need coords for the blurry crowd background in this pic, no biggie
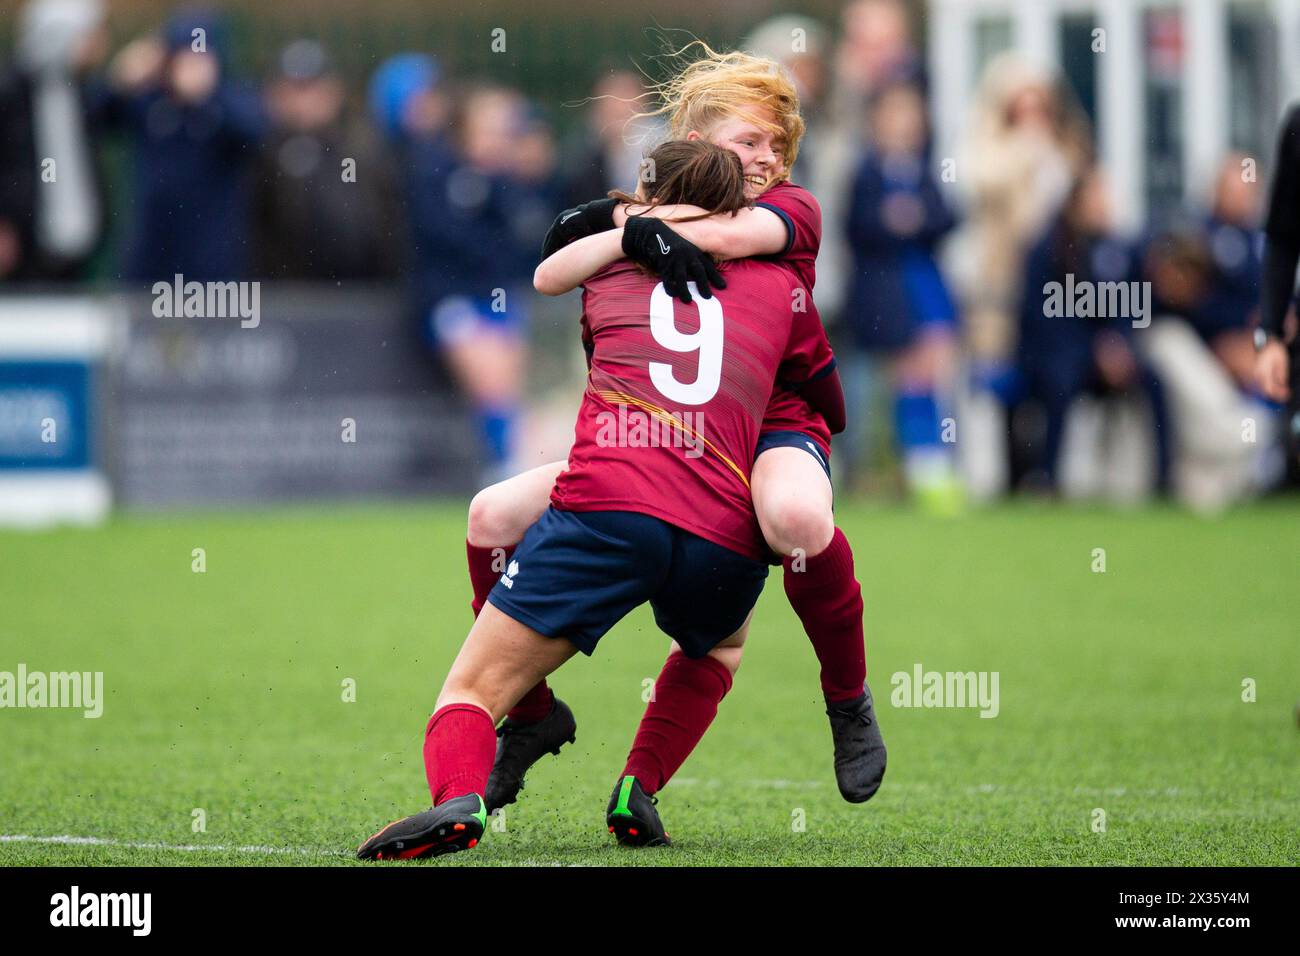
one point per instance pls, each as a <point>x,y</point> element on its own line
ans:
<point>175,155</point>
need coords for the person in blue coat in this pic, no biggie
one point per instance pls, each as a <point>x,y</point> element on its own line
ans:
<point>1068,347</point>
<point>1235,239</point>
<point>899,308</point>
<point>195,133</point>
<point>474,230</point>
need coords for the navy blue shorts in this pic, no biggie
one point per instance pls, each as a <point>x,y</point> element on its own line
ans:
<point>578,573</point>
<point>791,439</point>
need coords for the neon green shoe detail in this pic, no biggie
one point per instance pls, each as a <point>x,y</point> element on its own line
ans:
<point>624,792</point>
<point>481,813</point>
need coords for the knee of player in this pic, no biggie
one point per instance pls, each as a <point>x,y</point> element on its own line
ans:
<point>794,524</point>
<point>489,523</point>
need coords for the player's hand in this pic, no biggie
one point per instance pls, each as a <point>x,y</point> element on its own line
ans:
<point>673,258</point>
<point>1272,368</point>
<point>578,223</point>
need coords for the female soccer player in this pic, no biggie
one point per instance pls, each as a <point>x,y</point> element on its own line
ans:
<point>748,105</point>
<point>629,521</point>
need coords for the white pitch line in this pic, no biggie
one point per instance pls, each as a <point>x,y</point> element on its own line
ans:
<point>761,784</point>
<point>67,840</point>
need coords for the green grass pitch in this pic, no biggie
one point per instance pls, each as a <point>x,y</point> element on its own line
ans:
<point>1120,691</point>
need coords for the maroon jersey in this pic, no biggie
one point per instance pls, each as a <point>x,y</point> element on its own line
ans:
<point>810,352</point>
<point>675,399</point>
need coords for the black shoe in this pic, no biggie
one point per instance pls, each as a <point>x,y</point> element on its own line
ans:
<point>632,816</point>
<point>455,825</point>
<point>859,748</point>
<point>519,746</point>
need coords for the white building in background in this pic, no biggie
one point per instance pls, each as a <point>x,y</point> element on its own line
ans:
<point>1177,83</point>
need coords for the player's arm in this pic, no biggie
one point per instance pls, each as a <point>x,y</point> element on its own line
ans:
<point>824,394</point>
<point>677,261</point>
<point>747,232</point>
<point>808,369</point>
<point>572,265</point>
<point>671,252</point>
<point>578,223</point>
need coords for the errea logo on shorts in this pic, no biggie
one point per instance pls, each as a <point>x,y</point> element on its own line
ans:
<point>508,579</point>
<point>134,910</point>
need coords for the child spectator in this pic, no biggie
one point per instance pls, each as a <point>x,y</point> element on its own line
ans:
<point>898,305</point>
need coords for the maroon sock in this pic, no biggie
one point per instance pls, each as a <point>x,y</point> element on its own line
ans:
<point>486,565</point>
<point>828,600</point>
<point>460,744</point>
<point>533,706</point>
<point>686,698</point>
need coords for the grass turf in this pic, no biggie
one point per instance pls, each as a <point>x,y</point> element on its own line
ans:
<point>1119,691</point>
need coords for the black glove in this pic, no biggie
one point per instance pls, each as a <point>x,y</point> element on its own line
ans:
<point>673,258</point>
<point>575,223</point>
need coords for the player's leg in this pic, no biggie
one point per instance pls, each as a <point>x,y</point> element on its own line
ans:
<point>500,659</point>
<point>540,723</point>
<point>498,517</point>
<point>498,662</point>
<point>574,576</point>
<point>682,707</point>
<point>792,499</point>
<point>705,606</point>
<point>683,703</point>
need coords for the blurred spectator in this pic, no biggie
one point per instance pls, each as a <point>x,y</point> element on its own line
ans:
<point>1070,353</point>
<point>606,153</point>
<point>876,45</point>
<point>899,305</point>
<point>195,132</point>
<point>324,201</point>
<point>1235,245</point>
<point>800,45</point>
<point>406,99</point>
<point>540,195</point>
<point>830,149</point>
<point>51,199</point>
<point>1027,143</point>
<point>473,256</point>
<point>1205,289</point>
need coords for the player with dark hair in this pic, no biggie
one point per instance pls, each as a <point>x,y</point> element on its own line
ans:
<point>748,105</point>
<point>668,521</point>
